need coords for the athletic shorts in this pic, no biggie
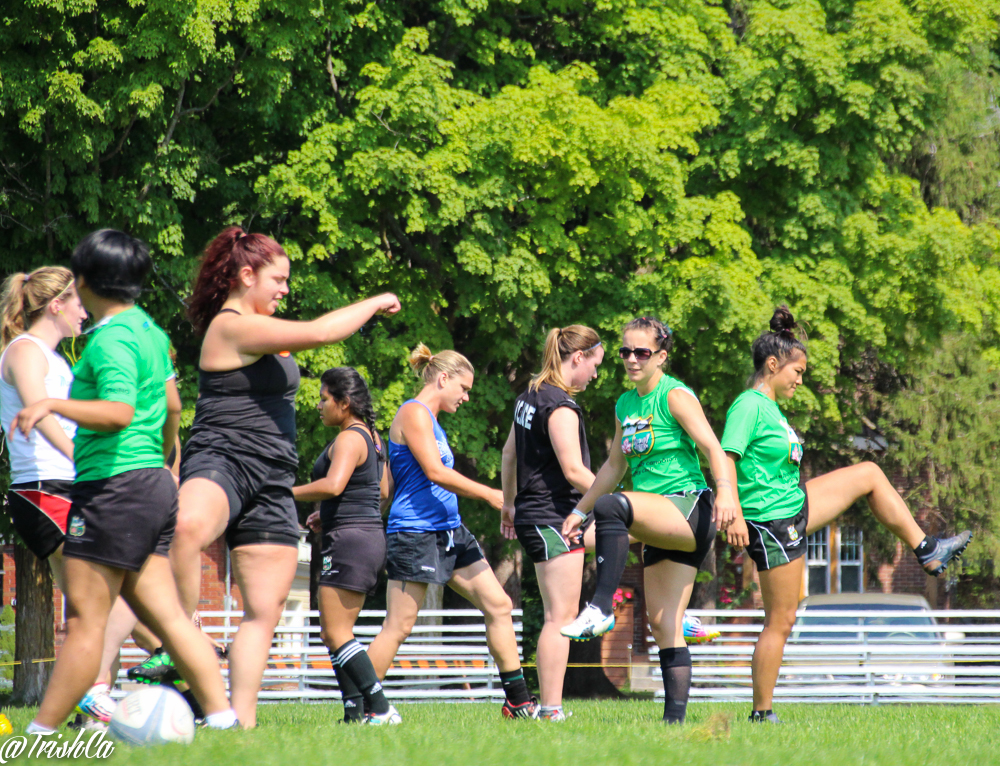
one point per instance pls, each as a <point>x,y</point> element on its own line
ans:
<point>261,506</point>
<point>431,557</point>
<point>697,506</point>
<point>123,520</point>
<point>39,510</point>
<point>773,543</point>
<point>544,542</point>
<point>353,557</point>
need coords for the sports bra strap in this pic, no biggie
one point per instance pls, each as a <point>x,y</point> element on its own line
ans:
<point>231,311</point>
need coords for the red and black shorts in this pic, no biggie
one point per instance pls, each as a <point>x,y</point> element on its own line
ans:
<point>39,510</point>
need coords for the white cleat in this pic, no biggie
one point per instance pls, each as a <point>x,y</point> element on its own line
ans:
<point>591,623</point>
<point>390,718</point>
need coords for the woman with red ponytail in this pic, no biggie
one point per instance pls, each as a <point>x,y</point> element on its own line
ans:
<point>238,466</point>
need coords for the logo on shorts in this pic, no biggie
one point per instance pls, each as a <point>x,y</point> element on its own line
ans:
<point>327,563</point>
<point>428,569</point>
<point>793,533</point>
<point>77,527</point>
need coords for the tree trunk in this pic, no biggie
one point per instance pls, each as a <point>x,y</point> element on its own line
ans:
<point>34,632</point>
<point>587,682</point>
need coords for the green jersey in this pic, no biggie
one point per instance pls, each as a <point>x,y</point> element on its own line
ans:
<point>661,455</point>
<point>770,452</point>
<point>127,359</point>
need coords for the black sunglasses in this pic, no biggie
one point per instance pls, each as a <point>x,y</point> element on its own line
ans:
<point>641,354</point>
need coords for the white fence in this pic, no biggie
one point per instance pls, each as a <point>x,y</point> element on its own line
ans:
<point>879,660</point>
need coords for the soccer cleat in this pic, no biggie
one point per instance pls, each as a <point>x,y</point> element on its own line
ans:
<point>389,718</point>
<point>529,709</point>
<point>696,633</point>
<point>764,716</point>
<point>157,669</point>
<point>97,704</point>
<point>86,723</point>
<point>591,623</point>
<point>947,549</point>
<point>555,715</point>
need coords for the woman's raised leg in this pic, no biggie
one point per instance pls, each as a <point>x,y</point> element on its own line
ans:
<point>202,516</point>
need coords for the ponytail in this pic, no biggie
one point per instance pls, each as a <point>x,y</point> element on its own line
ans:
<point>560,344</point>
<point>25,297</point>
<point>429,365</point>
<point>346,384</point>
<point>220,268</point>
<point>781,342</point>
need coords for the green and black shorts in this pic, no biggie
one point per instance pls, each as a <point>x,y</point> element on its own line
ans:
<point>777,542</point>
<point>543,541</point>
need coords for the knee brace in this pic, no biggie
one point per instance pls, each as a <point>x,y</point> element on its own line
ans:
<point>613,512</point>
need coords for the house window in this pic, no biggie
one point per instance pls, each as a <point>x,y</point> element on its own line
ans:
<point>851,561</point>
<point>818,561</point>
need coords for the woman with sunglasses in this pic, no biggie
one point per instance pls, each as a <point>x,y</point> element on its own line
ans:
<point>671,509</point>
<point>545,471</point>
<point>765,452</point>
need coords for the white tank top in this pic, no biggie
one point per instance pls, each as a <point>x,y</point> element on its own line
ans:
<point>34,458</point>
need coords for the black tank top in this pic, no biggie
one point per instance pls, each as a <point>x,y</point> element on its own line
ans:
<point>358,504</point>
<point>250,409</point>
<point>544,496</point>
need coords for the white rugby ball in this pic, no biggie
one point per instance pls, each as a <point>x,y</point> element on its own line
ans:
<point>153,715</point>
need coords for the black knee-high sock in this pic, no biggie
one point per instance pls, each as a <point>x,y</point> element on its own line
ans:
<point>514,687</point>
<point>349,691</point>
<point>189,698</point>
<point>675,662</point>
<point>613,517</point>
<point>353,660</point>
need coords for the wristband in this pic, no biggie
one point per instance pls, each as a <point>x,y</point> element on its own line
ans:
<point>581,514</point>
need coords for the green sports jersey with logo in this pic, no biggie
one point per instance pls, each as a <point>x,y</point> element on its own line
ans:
<point>770,452</point>
<point>127,359</point>
<point>662,457</point>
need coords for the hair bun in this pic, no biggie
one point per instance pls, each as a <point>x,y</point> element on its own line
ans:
<point>420,357</point>
<point>783,321</point>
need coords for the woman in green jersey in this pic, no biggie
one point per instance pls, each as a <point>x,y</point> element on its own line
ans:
<point>671,509</point>
<point>780,513</point>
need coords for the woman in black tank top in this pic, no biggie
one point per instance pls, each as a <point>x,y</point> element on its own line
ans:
<point>545,471</point>
<point>238,467</point>
<point>348,482</point>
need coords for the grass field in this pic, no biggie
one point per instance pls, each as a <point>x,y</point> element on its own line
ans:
<point>619,733</point>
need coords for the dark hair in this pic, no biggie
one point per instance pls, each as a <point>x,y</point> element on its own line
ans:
<point>781,343</point>
<point>220,269</point>
<point>346,383</point>
<point>113,263</point>
<point>663,334</point>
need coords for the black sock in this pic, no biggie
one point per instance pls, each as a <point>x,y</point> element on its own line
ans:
<point>189,698</point>
<point>353,660</point>
<point>514,687</point>
<point>613,515</point>
<point>675,662</point>
<point>927,545</point>
<point>755,714</point>
<point>349,692</point>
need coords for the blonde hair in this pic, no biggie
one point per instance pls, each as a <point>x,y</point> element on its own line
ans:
<point>560,344</point>
<point>429,366</point>
<point>25,297</point>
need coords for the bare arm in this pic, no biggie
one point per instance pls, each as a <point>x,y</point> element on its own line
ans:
<point>386,488</point>
<point>508,480</point>
<point>172,425</point>
<point>27,368</point>
<point>687,411</point>
<point>564,433</point>
<point>348,452</point>
<point>418,431</point>
<point>607,479</point>
<point>257,334</point>
<point>736,533</point>
<point>94,415</point>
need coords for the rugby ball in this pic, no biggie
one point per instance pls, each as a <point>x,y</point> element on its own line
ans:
<point>153,715</point>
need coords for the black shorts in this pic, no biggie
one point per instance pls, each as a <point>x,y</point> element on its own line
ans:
<point>773,543</point>
<point>353,557</point>
<point>544,542</point>
<point>430,557</point>
<point>700,519</point>
<point>123,520</point>
<point>39,510</point>
<point>261,506</point>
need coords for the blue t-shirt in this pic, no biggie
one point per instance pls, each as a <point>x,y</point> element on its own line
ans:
<point>418,504</point>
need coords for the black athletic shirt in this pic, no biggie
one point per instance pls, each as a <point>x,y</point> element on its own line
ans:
<point>544,496</point>
<point>250,409</point>
<point>358,504</point>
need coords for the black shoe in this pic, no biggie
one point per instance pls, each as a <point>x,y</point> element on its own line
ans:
<point>936,561</point>
<point>764,716</point>
<point>157,669</point>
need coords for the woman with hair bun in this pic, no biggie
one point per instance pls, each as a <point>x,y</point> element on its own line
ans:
<point>660,427</point>
<point>779,512</point>
<point>427,542</point>
<point>347,482</point>
<point>238,466</point>
<point>546,471</point>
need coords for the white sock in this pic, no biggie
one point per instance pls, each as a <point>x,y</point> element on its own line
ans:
<point>223,720</point>
<point>36,728</point>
